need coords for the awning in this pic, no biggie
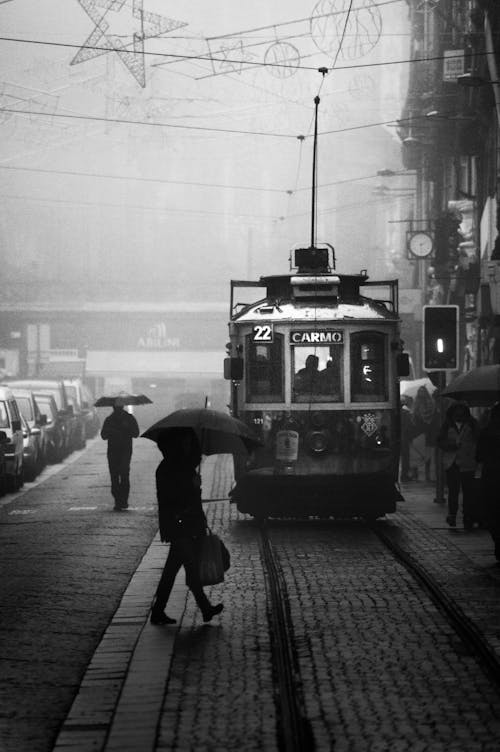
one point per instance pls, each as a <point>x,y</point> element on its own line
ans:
<point>149,363</point>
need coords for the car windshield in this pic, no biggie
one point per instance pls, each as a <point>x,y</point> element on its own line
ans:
<point>24,405</point>
<point>4,418</point>
<point>72,393</point>
<point>56,394</point>
<point>45,405</point>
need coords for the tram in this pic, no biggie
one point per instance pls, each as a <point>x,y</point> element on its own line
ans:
<point>314,366</point>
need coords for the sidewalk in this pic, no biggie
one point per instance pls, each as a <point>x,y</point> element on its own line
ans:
<point>119,705</point>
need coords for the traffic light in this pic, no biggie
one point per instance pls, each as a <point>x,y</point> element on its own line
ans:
<point>441,337</point>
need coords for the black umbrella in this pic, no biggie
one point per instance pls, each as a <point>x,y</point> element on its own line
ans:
<point>122,399</point>
<point>217,432</point>
<point>478,387</point>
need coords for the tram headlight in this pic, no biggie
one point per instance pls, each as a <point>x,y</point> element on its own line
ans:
<point>318,442</point>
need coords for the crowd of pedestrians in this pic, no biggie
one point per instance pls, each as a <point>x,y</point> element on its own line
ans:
<point>465,447</point>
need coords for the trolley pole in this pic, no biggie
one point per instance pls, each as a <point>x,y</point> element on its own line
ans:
<point>315,147</point>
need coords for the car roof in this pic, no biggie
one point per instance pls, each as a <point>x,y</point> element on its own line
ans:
<point>18,392</point>
<point>33,383</point>
<point>6,392</point>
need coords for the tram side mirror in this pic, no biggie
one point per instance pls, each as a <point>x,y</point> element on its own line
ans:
<point>233,369</point>
<point>403,364</point>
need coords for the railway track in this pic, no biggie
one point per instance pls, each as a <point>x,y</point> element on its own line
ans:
<point>467,631</point>
<point>294,728</point>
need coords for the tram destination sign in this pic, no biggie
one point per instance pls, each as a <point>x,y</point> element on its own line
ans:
<point>317,337</point>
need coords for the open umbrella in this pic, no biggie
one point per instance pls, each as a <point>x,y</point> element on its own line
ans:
<point>217,432</point>
<point>122,398</point>
<point>478,387</point>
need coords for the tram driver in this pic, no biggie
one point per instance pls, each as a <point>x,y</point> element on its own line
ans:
<point>307,379</point>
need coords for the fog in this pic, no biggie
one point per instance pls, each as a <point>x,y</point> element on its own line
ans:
<point>167,173</point>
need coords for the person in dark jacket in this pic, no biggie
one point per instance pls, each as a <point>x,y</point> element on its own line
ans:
<point>182,520</point>
<point>457,439</point>
<point>488,453</point>
<point>118,429</point>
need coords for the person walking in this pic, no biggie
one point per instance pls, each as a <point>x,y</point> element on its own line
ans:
<point>182,521</point>
<point>457,438</point>
<point>118,429</point>
<point>488,454</point>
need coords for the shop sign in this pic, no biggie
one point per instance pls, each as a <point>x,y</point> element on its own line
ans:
<point>156,338</point>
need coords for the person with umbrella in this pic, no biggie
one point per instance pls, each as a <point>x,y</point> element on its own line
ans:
<point>182,521</point>
<point>119,428</point>
<point>488,453</point>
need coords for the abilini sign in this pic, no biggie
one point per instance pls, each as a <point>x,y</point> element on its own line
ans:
<point>317,337</point>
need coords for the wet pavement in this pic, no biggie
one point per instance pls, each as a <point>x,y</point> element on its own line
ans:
<point>130,694</point>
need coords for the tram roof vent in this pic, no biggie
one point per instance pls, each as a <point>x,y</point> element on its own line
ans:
<point>315,286</point>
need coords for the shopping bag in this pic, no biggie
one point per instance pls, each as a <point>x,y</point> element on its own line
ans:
<point>211,565</point>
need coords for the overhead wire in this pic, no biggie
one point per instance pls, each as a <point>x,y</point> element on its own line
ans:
<point>238,61</point>
<point>138,207</point>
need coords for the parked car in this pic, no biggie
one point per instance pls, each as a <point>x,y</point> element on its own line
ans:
<point>54,429</point>
<point>56,389</point>
<point>84,402</point>
<point>10,424</point>
<point>3,471</point>
<point>35,460</point>
<point>30,451</point>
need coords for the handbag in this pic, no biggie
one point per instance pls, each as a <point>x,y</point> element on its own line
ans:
<point>211,563</point>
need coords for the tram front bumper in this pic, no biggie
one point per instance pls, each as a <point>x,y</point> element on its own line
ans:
<point>266,493</point>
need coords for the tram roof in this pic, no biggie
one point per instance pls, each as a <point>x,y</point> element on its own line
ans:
<point>267,310</point>
<point>312,297</point>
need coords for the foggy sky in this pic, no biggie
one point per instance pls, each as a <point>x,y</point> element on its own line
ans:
<point>144,219</point>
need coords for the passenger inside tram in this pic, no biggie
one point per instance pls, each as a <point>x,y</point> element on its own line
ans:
<point>320,377</point>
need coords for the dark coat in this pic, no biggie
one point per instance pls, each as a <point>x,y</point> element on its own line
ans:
<point>118,429</point>
<point>179,501</point>
<point>488,453</point>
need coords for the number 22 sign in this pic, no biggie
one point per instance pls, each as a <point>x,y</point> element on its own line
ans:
<point>262,333</point>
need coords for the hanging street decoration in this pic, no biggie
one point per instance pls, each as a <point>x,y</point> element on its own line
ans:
<point>104,37</point>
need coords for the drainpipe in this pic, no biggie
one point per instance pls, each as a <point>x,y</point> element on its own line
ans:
<point>492,63</point>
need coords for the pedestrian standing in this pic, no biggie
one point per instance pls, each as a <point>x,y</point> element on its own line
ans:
<point>426,419</point>
<point>488,454</point>
<point>182,520</point>
<point>118,429</point>
<point>407,434</point>
<point>457,438</point>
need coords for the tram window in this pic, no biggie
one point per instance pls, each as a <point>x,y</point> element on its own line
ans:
<point>368,367</point>
<point>318,374</point>
<point>264,371</point>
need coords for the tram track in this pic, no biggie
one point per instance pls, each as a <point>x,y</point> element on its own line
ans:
<point>463,626</point>
<point>294,729</point>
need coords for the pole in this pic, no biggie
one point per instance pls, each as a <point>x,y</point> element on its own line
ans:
<point>315,146</point>
<point>439,498</point>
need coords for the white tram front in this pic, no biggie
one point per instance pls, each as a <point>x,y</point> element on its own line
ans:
<point>314,367</point>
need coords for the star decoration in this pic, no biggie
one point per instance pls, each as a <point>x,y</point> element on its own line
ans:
<point>230,55</point>
<point>100,40</point>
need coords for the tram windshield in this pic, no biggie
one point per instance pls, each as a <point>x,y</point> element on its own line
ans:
<point>264,375</point>
<point>317,373</point>
<point>368,367</point>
